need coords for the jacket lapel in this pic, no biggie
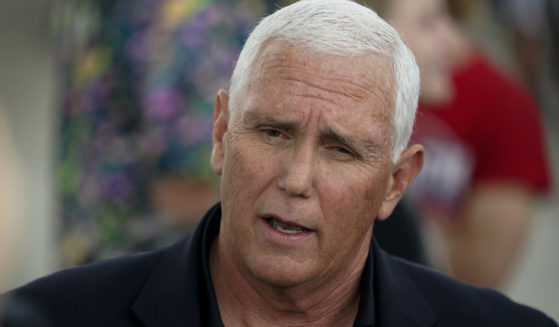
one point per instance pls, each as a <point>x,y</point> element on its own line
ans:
<point>399,301</point>
<point>173,294</point>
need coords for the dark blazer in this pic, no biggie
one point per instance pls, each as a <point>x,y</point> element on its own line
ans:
<point>166,288</point>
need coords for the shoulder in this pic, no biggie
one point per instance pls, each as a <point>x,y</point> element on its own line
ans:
<point>93,294</point>
<point>96,278</point>
<point>466,305</point>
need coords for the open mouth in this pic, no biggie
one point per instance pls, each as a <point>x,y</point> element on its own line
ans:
<point>286,228</point>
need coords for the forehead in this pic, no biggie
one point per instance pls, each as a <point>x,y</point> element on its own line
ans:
<point>286,73</point>
<point>318,93</point>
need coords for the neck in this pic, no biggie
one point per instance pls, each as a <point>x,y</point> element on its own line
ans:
<point>245,301</point>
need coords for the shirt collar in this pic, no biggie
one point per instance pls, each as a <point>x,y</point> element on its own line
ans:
<point>209,234</point>
<point>365,315</point>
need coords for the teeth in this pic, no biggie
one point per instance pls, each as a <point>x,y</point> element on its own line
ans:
<point>285,228</point>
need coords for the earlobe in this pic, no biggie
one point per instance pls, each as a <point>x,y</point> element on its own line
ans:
<point>220,121</point>
<point>408,167</point>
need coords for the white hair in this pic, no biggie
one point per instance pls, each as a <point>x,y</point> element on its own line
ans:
<point>345,28</point>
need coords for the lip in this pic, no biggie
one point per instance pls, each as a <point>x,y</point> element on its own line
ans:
<point>285,221</point>
<point>281,237</point>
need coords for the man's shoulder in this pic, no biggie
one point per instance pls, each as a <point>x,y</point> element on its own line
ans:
<point>99,291</point>
<point>469,305</point>
<point>97,277</point>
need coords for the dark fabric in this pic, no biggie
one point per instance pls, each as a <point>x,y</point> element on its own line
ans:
<point>399,235</point>
<point>366,316</point>
<point>168,287</point>
<point>210,231</point>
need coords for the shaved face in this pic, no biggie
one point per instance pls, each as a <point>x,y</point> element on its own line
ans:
<point>306,165</point>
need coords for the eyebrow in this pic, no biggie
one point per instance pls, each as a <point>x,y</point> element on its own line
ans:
<point>363,147</point>
<point>255,119</point>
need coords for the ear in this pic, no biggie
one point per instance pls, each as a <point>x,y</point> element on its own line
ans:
<point>221,119</point>
<point>408,167</point>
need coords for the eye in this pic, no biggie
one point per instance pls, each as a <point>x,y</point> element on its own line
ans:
<point>343,152</point>
<point>271,132</point>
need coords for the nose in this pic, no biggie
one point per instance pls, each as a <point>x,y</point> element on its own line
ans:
<point>298,171</point>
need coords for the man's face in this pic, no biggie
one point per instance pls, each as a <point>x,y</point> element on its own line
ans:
<point>306,167</point>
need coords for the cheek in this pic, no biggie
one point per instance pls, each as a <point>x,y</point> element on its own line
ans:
<point>246,170</point>
<point>375,190</point>
<point>356,198</point>
<point>348,219</point>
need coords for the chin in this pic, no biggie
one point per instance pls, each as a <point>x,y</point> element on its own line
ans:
<point>281,272</point>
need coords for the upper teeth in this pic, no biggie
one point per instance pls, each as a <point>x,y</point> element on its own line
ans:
<point>285,228</point>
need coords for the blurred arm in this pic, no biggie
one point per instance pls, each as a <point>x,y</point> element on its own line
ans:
<point>489,237</point>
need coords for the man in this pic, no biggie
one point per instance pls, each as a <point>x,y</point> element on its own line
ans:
<point>311,149</point>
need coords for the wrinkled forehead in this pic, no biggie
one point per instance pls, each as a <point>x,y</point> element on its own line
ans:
<point>366,78</point>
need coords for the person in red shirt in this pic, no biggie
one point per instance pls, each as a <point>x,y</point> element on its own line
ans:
<point>485,159</point>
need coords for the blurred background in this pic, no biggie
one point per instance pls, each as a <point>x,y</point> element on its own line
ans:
<point>105,124</point>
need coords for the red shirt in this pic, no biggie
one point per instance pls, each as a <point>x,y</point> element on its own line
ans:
<point>490,131</point>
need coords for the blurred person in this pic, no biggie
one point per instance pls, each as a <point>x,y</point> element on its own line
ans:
<point>485,152</point>
<point>426,29</point>
<point>311,144</point>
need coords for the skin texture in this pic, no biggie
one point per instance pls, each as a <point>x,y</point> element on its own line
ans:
<point>308,144</point>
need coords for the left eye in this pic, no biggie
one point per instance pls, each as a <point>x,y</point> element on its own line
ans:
<point>272,132</point>
<point>343,151</point>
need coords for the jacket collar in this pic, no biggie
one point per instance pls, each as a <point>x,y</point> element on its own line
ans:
<point>399,301</point>
<point>175,293</point>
